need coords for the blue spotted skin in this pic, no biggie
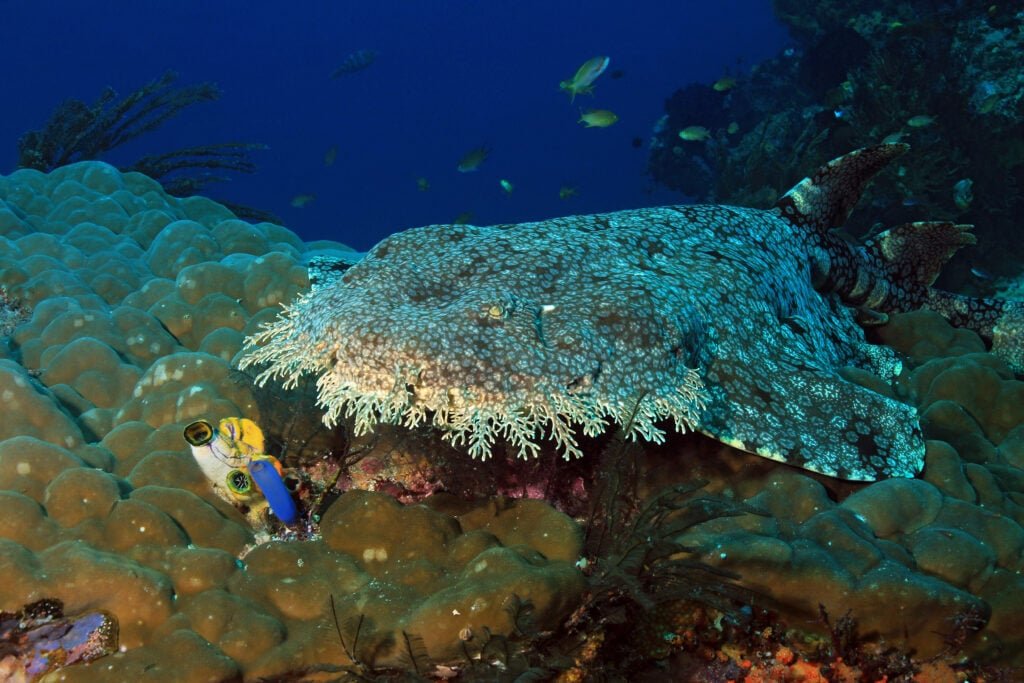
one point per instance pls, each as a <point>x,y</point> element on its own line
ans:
<point>773,346</point>
<point>499,328</point>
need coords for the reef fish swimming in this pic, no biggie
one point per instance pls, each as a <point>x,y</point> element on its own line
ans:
<point>732,321</point>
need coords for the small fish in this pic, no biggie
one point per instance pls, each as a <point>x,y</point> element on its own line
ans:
<point>472,159</point>
<point>583,81</point>
<point>506,186</point>
<point>597,118</point>
<point>637,143</point>
<point>566,192</point>
<point>920,121</point>
<point>694,134</point>
<point>724,83</point>
<point>300,200</point>
<point>357,61</point>
<point>422,184</point>
<point>893,138</point>
<point>463,218</point>
<point>330,155</point>
<point>617,74</point>
<point>981,273</point>
<point>989,103</point>
<point>963,193</point>
<point>733,128</point>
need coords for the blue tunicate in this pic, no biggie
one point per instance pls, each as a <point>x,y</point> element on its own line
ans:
<point>269,480</point>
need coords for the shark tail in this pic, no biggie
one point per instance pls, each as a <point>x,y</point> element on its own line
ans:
<point>825,199</point>
<point>914,253</point>
<point>998,321</point>
<point>894,270</point>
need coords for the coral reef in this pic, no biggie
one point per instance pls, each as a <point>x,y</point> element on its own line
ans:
<point>943,78</point>
<point>133,307</point>
<point>908,558</point>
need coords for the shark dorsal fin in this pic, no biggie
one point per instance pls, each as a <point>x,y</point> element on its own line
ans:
<point>825,199</point>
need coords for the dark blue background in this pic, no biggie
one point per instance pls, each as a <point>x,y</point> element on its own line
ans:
<point>450,76</point>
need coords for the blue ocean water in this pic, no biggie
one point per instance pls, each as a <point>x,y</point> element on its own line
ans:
<point>448,77</point>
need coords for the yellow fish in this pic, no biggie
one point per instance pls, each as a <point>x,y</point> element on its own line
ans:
<point>463,218</point>
<point>583,81</point>
<point>507,186</point>
<point>300,200</point>
<point>724,83</point>
<point>597,118</point>
<point>733,128</point>
<point>472,159</point>
<point>422,184</point>
<point>330,156</point>
<point>565,192</point>
<point>694,134</point>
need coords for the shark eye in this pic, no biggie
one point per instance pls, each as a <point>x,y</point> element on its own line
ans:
<point>239,482</point>
<point>199,433</point>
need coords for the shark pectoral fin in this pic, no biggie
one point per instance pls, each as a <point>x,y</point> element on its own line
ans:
<point>869,317</point>
<point>816,420</point>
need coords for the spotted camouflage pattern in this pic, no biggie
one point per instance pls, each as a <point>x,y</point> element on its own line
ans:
<point>734,321</point>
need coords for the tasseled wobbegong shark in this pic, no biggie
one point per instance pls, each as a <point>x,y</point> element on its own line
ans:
<point>735,322</point>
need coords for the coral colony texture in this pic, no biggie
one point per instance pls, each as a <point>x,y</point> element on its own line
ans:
<point>138,302</point>
<point>125,315</point>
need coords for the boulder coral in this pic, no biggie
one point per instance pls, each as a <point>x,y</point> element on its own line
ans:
<point>909,558</point>
<point>132,306</point>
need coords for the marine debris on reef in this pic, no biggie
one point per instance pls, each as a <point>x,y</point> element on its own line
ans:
<point>40,639</point>
<point>77,131</point>
<point>731,321</point>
